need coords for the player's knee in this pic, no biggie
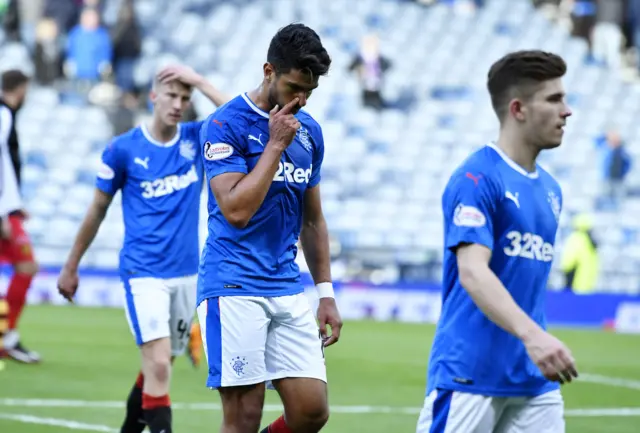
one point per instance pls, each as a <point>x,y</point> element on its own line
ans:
<point>310,416</point>
<point>315,419</point>
<point>249,419</point>
<point>159,367</point>
<point>242,408</point>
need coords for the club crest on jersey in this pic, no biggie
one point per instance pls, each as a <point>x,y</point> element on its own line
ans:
<point>554,201</point>
<point>303,136</point>
<point>188,150</point>
<point>238,364</point>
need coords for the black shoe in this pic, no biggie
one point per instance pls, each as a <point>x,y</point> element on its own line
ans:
<point>22,354</point>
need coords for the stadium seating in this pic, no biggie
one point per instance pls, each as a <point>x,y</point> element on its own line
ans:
<point>383,172</point>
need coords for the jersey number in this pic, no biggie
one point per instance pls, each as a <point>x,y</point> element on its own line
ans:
<point>157,188</point>
<point>528,246</point>
<point>182,329</point>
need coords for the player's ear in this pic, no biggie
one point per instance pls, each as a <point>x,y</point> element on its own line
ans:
<point>153,96</point>
<point>269,72</point>
<point>517,109</point>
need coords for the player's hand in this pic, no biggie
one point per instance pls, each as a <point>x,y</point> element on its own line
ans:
<point>551,356</point>
<point>5,228</point>
<point>283,125</point>
<point>182,73</point>
<point>68,283</point>
<point>328,315</point>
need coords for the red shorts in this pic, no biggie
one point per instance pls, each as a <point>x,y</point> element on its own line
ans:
<point>18,248</point>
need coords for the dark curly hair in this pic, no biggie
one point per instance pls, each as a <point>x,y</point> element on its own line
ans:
<point>518,74</point>
<point>297,46</point>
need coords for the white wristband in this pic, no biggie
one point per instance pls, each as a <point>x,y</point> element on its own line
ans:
<point>325,290</point>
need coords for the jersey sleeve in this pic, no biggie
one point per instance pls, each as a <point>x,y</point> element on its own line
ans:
<point>318,157</point>
<point>222,150</point>
<point>469,205</point>
<point>112,172</point>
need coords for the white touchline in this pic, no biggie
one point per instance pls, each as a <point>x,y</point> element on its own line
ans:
<point>55,422</point>
<point>41,403</point>
<point>611,381</point>
<point>73,425</point>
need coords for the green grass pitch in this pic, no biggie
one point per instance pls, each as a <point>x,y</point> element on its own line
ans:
<point>376,378</point>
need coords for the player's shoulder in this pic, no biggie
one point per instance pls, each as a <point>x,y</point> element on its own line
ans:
<point>235,117</point>
<point>549,181</point>
<point>306,119</point>
<point>480,164</point>
<point>545,176</point>
<point>309,127</point>
<point>124,141</point>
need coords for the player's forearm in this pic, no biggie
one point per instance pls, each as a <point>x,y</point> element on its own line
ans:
<point>212,93</point>
<point>493,299</point>
<point>314,238</point>
<point>85,236</point>
<point>245,198</point>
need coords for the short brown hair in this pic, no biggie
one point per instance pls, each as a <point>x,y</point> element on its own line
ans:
<point>519,73</point>
<point>12,79</point>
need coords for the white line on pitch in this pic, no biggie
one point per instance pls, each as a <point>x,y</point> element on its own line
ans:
<point>611,381</point>
<point>56,422</point>
<point>41,403</point>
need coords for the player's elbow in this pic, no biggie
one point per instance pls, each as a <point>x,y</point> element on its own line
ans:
<point>470,275</point>
<point>237,214</point>
<point>473,266</point>
<point>237,219</point>
<point>309,225</point>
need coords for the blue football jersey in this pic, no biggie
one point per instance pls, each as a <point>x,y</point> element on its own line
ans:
<point>161,185</point>
<point>259,259</point>
<point>492,201</point>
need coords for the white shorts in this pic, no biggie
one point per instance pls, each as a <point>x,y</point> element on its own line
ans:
<point>249,340</point>
<point>160,308</point>
<point>452,411</point>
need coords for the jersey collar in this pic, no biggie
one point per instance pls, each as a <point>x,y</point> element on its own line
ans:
<point>511,163</point>
<point>152,140</point>
<point>254,107</point>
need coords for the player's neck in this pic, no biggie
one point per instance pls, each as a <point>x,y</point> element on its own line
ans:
<point>260,97</point>
<point>162,132</point>
<point>519,151</point>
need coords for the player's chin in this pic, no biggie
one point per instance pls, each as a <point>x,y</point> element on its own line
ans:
<point>172,119</point>
<point>552,144</point>
<point>553,141</point>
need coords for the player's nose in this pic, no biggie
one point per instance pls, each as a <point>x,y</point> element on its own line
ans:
<point>302,99</point>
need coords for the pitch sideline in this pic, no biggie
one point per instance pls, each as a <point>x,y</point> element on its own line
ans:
<point>79,426</point>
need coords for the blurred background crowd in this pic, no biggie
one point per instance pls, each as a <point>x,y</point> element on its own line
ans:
<point>404,103</point>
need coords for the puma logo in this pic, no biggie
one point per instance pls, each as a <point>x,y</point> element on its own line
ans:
<point>475,179</point>
<point>142,162</point>
<point>513,198</point>
<point>253,137</point>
